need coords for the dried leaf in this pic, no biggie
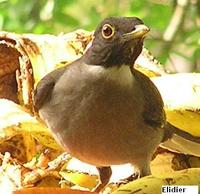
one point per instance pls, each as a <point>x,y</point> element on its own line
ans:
<point>14,120</point>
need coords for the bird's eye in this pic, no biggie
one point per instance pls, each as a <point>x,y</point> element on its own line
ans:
<point>107,31</point>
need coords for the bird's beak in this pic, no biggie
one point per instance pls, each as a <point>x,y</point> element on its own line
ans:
<point>139,32</point>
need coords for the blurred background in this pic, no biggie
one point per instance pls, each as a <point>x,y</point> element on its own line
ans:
<point>175,24</point>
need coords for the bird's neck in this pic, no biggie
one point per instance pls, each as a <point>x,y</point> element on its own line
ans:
<point>121,76</point>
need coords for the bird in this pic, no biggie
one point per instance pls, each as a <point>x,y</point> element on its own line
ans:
<point>101,109</point>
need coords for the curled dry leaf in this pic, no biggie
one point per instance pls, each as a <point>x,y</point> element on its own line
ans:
<point>149,65</point>
<point>9,63</point>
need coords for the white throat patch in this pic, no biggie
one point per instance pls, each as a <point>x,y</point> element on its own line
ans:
<point>122,75</point>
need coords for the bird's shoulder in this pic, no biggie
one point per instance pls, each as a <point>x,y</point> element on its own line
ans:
<point>153,114</point>
<point>44,88</point>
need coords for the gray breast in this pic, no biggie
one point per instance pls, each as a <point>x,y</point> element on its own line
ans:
<point>96,118</point>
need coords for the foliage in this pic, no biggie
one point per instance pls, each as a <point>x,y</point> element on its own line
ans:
<point>55,16</point>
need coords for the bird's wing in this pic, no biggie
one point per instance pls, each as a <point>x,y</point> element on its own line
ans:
<point>154,114</point>
<point>45,87</point>
<point>174,139</point>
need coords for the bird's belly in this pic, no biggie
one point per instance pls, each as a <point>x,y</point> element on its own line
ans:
<point>107,138</point>
<point>106,149</point>
<point>111,146</point>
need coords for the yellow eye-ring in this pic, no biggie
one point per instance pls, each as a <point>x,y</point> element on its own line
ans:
<point>107,31</point>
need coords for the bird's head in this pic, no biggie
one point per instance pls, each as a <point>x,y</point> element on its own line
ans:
<point>117,41</point>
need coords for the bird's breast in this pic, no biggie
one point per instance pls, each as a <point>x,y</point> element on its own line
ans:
<point>97,118</point>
